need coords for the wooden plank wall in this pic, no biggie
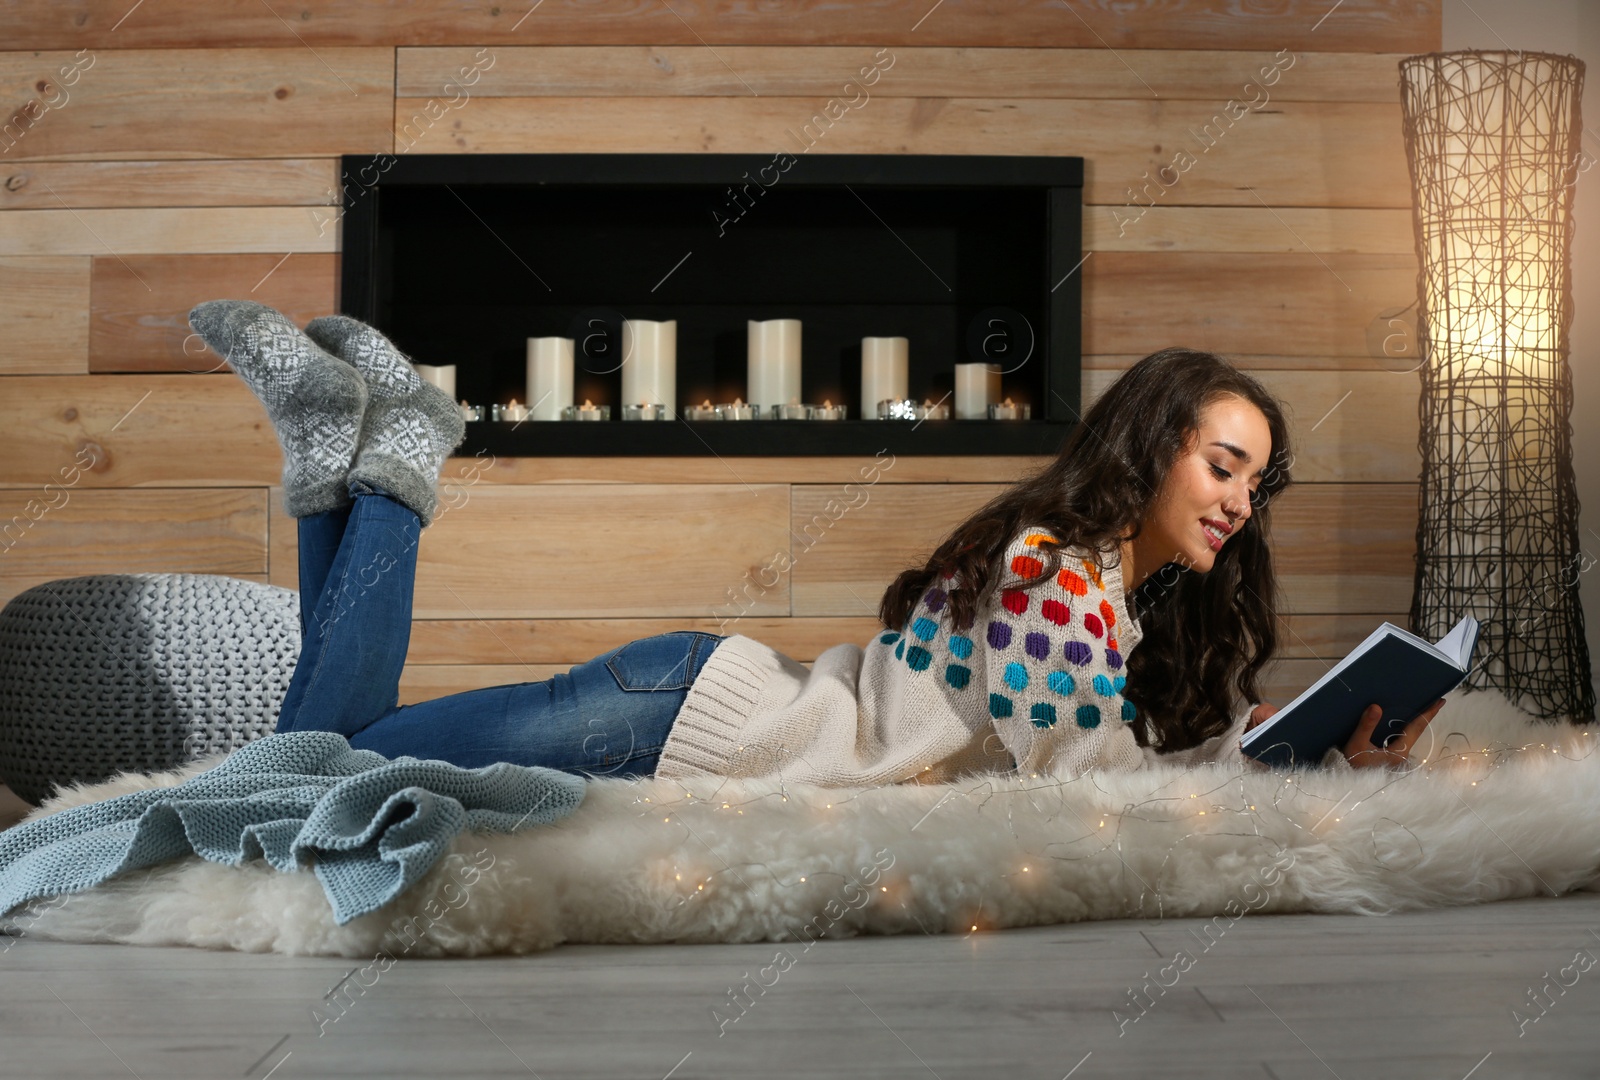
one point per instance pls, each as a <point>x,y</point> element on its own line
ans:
<point>186,150</point>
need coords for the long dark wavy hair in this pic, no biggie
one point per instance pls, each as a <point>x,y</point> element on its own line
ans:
<point>1205,634</point>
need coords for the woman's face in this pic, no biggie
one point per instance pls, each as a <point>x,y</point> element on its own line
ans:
<point>1206,498</point>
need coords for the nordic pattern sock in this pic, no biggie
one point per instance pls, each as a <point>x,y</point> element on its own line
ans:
<point>410,425</point>
<point>315,402</point>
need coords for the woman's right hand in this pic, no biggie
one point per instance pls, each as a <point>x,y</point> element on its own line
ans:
<point>1362,754</point>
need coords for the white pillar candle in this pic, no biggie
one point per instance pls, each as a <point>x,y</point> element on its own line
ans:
<point>977,387</point>
<point>883,371</point>
<point>773,369</point>
<point>549,377</point>
<point>650,363</point>
<point>444,377</point>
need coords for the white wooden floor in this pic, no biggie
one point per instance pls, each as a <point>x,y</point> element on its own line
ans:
<point>1277,996</point>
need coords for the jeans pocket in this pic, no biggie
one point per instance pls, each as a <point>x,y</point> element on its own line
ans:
<point>662,662</point>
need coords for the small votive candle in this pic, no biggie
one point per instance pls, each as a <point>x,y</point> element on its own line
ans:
<point>1007,410</point>
<point>587,411</point>
<point>739,410</point>
<point>897,409</point>
<point>703,411</point>
<point>471,412</point>
<point>644,410</point>
<point>929,411</point>
<point>792,411</point>
<point>442,376</point>
<point>827,411</point>
<point>514,411</point>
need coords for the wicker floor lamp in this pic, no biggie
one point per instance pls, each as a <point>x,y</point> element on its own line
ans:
<point>1493,141</point>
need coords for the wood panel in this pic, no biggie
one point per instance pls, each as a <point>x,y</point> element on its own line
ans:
<point>184,430</point>
<point>209,429</point>
<point>843,562</point>
<point>1343,425</point>
<point>139,315</point>
<point>64,532</point>
<point>1177,24</point>
<point>904,469</point>
<point>283,543</point>
<point>168,231</point>
<point>51,185</point>
<point>1257,362</point>
<point>1314,154</point>
<point>1244,228</point>
<point>555,551</point>
<point>1345,547</point>
<point>44,315</point>
<point>1200,74</point>
<point>1279,305</point>
<point>1338,548</point>
<point>122,101</point>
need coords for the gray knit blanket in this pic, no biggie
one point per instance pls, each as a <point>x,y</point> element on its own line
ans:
<point>369,825</point>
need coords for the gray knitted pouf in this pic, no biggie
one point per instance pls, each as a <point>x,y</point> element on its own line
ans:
<point>113,672</point>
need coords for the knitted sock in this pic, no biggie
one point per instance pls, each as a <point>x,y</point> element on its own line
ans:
<point>410,425</point>
<point>315,402</point>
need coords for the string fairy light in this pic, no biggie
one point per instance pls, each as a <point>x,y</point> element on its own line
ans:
<point>1289,804</point>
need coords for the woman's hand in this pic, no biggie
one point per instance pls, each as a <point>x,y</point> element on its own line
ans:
<point>1261,714</point>
<point>1362,754</point>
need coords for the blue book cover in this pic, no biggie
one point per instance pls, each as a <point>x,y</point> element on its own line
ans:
<point>1401,672</point>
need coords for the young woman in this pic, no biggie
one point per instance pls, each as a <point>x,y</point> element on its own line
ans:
<point>1012,648</point>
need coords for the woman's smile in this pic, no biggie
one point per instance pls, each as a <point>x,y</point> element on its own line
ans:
<point>1216,532</point>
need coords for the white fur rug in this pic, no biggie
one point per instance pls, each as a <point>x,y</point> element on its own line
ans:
<point>1507,806</point>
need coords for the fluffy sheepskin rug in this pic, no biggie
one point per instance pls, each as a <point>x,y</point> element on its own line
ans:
<point>1506,806</point>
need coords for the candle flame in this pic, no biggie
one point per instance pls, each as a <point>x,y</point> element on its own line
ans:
<point>826,403</point>
<point>587,404</point>
<point>706,404</point>
<point>736,400</point>
<point>513,404</point>
<point>1007,401</point>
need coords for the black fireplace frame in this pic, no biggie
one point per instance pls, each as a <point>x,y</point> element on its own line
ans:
<point>374,248</point>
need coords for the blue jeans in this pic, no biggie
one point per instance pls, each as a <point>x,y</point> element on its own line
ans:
<point>606,717</point>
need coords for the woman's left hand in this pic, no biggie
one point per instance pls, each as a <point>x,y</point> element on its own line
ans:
<point>1360,751</point>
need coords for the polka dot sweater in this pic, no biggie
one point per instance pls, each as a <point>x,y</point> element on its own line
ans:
<point>1034,684</point>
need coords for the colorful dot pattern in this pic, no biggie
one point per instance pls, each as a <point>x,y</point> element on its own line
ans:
<point>1047,655</point>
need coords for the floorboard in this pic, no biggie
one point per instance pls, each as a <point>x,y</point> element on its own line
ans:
<point>1281,997</point>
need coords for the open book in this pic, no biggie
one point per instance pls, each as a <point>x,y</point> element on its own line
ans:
<point>1401,672</point>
